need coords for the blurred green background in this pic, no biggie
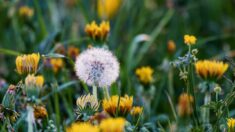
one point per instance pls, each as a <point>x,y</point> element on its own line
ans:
<point>63,21</point>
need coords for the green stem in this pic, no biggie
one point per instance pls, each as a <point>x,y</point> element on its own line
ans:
<point>170,82</point>
<point>57,110</point>
<point>206,116</point>
<point>40,19</point>
<point>190,89</point>
<point>156,32</point>
<point>138,121</point>
<point>106,93</point>
<point>217,96</point>
<point>94,91</point>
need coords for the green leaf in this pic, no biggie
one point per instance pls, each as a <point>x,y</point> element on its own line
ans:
<point>46,44</point>
<point>153,36</point>
<point>9,52</point>
<point>114,89</point>
<point>53,55</point>
<point>59,89</point>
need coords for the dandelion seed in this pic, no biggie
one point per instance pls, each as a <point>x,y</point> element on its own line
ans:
<point>97,67</point>
<point>112,125</point>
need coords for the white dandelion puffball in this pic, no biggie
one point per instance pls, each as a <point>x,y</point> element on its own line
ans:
<point>97,66</point>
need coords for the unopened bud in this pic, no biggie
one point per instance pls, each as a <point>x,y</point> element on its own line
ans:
<point>217,89</point>
<point>194,51</point>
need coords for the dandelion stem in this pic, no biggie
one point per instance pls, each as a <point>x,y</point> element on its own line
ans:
<point>206,116</point>
<point>138,121</point>
<point>94,91</point>
<point>190,89</point>
<point>106,93</point>
<point>217,97</point>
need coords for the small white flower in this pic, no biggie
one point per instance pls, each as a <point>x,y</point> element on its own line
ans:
<point>97,66</point>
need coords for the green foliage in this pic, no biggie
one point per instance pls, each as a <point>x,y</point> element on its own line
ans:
<point>139,33</point>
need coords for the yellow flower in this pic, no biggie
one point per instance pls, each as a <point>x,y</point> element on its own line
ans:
<point>171,46</point>
<point>98,32</point>
<point>184,105</point>
<point>34,81</point>
<point>136,111</point>
<point>73,52</point>
<point>27,63</point>
<point>207,69</point>
<point>145,74</point>
<point>111,105</point>
<point>40,112</point>
<point>90,100</point>
<point>112,125</point>
<point>39,81</point>
<point>231,124</point>
<point>190,39</point>
<point>108,8</point>
<point>57,64</point>
<point>82,127</point>
<point>26,11</point>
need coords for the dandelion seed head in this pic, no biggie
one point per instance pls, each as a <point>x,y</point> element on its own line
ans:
<point>97,66</point>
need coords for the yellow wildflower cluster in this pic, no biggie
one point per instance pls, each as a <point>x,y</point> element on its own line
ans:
<point>34,81</point>
<point>57,64</point>
<point>106,125</point>
<point>112,125</point>
<point>82,127</point>
<point>26,11</point>
<point>40,112</point>
<point>98,32</point>
<point>123,105</point>
<point>108,8</point>
<point>26,64</point>
<point>184,105</point>
<point>136,111</point>
<point>207,69</point>
<point>190,39</point>
<point>145,74</point>
<point>231,124</point>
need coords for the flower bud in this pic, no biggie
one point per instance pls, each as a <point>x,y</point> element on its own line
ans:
<point>217,89</point>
